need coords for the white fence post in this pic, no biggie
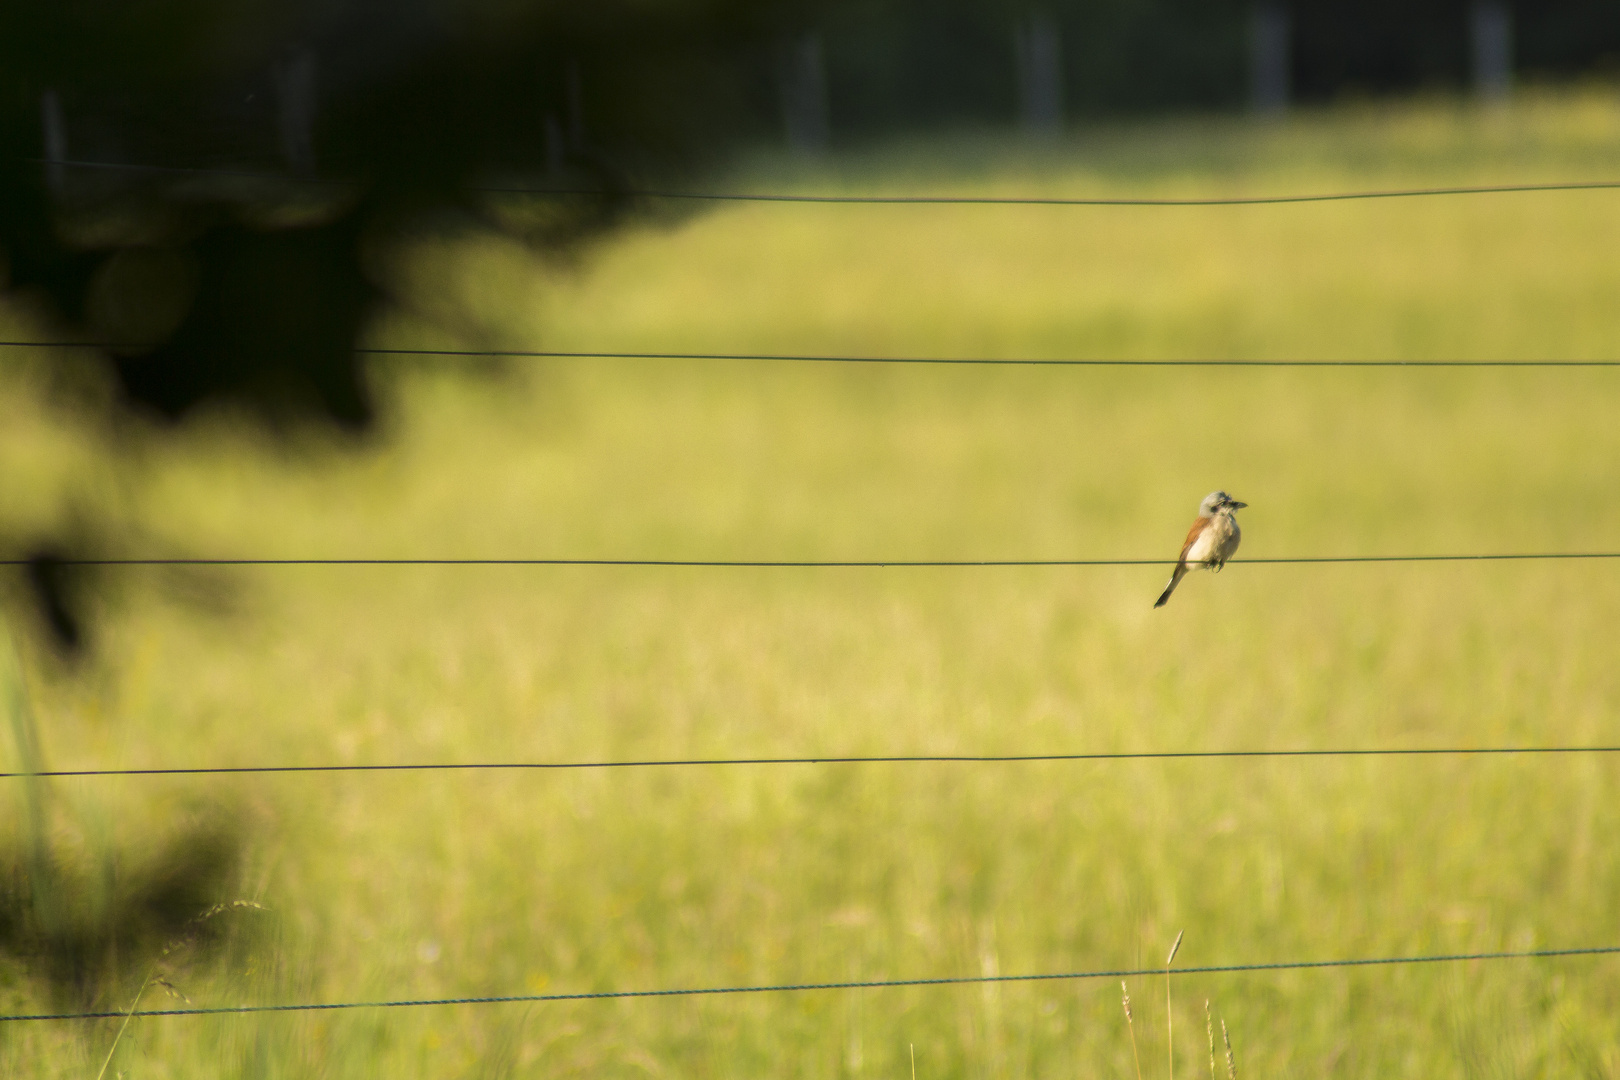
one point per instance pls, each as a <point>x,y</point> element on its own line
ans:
<point>295,101</point>
<point>1491,32</point>
<point>802,81</point>
<point>1270,31</point>
<point>1038,49</point>
<point>50,115</point>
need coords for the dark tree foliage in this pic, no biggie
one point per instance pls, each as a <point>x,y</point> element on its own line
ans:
<point>89,928</point>
<point>321,133</point>
<point>418,102</point>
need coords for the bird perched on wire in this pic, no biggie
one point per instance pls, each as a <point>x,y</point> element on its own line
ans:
<point>1212,540</point>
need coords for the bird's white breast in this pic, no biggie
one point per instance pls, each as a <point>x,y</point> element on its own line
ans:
<point>1217,542</point>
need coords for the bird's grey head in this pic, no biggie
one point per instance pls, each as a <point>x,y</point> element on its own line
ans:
<point>1217,501</point>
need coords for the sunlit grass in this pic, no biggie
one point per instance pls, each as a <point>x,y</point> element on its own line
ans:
<point>398,886</point>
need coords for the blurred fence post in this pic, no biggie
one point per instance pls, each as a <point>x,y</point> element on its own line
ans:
<point>565,135</point>
<point>576,106</point>
<point>1038,49</point>
<point>802,80</point>
<point>1269,57</point>
<point>50,116</point>
<point>556,145</point>
<point>1491,36</point>
<point>295,101</point>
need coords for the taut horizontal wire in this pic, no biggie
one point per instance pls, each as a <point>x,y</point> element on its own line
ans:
<point>1062,200</point>
<point>898,200</point>
<point>824,564</point>
<point>980,361</point>
<point>828,759</point>
<point>985,361</point>
<point>875,984</point>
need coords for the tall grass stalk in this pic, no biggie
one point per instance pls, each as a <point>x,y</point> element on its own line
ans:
<point>129,1015</point>
<point>1131,1024</point>
<point>1209,1028</point>
<point>1169,1018</point>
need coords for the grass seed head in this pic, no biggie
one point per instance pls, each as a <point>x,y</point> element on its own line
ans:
<point>1209,1026</point>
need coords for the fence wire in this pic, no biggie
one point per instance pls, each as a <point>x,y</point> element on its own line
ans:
<point>982,361</point>
<point>873,984</point>
<point>855,359</point>
<point>827,759</point>
<point>812,564</point>
<point>879,199</point>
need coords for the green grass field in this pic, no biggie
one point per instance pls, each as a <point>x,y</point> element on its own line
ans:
<point>386,886</point>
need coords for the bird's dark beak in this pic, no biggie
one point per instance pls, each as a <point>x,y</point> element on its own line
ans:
<point>1234,504</point>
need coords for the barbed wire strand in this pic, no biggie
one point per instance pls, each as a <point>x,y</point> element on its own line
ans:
<point>817,564</point>
<point>823,759</point>
<point>874,984</point>
<point>889,200</point>
<point>829,358</point>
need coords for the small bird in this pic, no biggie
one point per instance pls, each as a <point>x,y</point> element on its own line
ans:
<point>1212,540</point>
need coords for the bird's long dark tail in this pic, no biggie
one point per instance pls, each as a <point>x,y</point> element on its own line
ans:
<point>1175,579</point>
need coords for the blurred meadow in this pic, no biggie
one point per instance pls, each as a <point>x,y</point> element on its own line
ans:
<point>398,885</point>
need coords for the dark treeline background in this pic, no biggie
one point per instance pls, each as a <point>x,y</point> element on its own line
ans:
<point>910,63</point>
<point>182,87</point>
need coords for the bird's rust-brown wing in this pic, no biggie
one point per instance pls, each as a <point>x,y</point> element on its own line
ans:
<point>1192,537</point>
